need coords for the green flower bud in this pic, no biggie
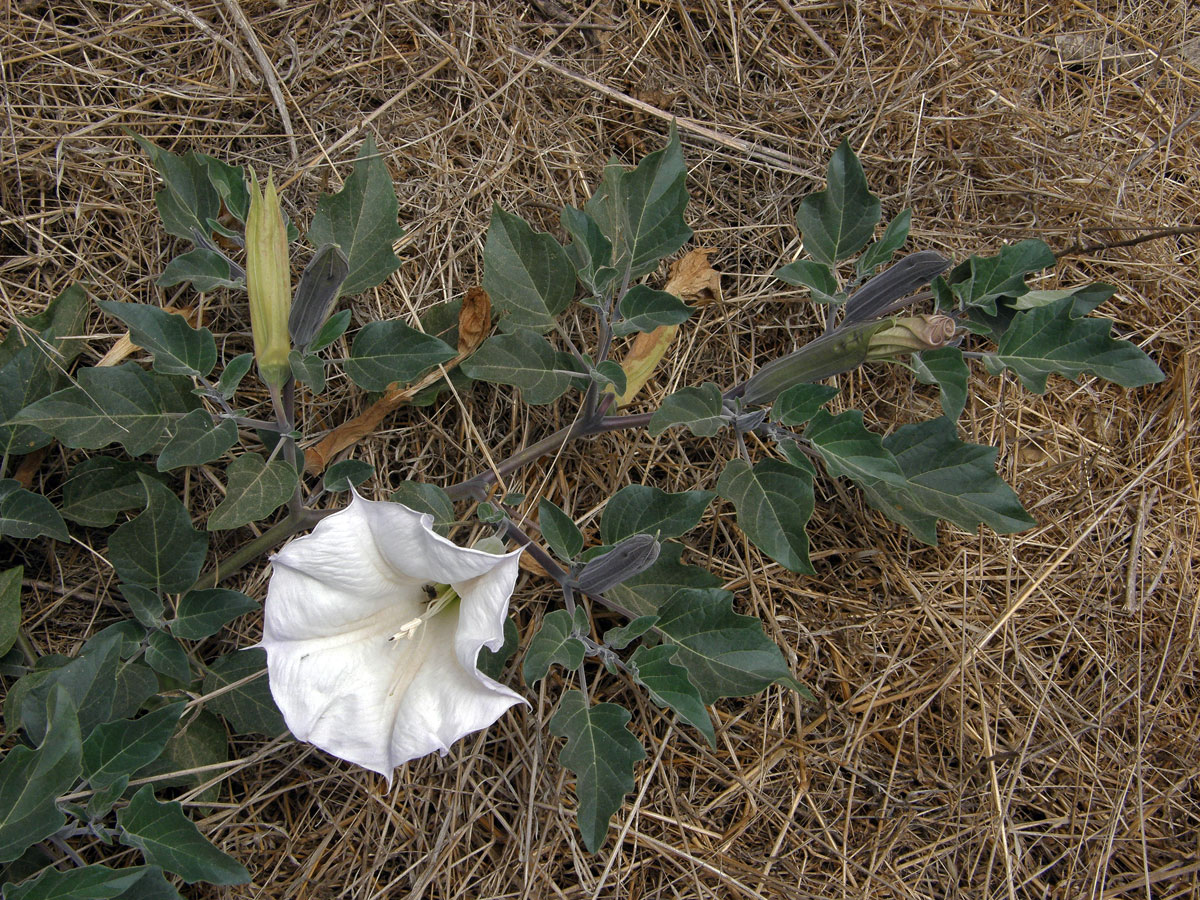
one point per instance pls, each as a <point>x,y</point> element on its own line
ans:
<point>911,334</point>
<point>269,282</point>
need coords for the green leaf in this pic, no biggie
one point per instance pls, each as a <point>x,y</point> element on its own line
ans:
<point>308,369</point>
<point>838,221</point>
<point>644,309</point>
<point>188,200</point>
<point>249,708</point>
<point>800,402</point>
<point>559,530</point>
<point>601,753</point>
<point>117,749</point>
<point>1086,297</point>
<point>94,882</point>
<point>670,687</point>
<point>945,479</point>
<point>147,605</point>
<point>347,473</point>
<point>195,440</point>
<point>948,370</point>
<point>24,514</point>
<point>882,250</point>
<point>24,379</point>
<point>555,644</point>
<point>202,613</point>
<point>333,329</point>
<point>31,780</point>
<point>623,635</point>
<point>159,548</point>
<point>122,404</point>
<point>815,276</point>
<point>235,371</point>
<point>609,372</point>
<point>849,450</point>
<point>725,654</point>
<point>167,838</point>
<point>256,489</point>
<point>10,607</point>
<point>699,409</point>
<point>773,500</point>
<point>492,663</point>
<point>202,741</point>
<point>641,211</point>
<point>387,352</point>
<point>361,219</point>
<point>980,280</point>
<point>60,326</point>
<point>427,498</point>
<point>166,656</point>
<point>590,251</point>
<point>639,508</point>
<point>1049,339</point>
<point>100,487</point>
<point>206,269</point>
<point>648,592</point>
<point>526,273</point>
<point>526,360</point>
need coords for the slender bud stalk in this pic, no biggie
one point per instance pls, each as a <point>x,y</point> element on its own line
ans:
<point>269,282</point>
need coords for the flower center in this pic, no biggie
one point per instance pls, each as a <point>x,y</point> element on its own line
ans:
<point>439,597</point>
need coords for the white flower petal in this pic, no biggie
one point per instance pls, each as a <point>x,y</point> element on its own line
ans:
<point>336,598</point>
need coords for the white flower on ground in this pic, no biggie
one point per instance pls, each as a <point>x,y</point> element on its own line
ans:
<point>363,663</point>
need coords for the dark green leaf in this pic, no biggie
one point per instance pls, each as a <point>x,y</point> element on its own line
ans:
<point>333,329</point>
<point>202,613</point>
<point>849,450</point>
<point>10,607</point>
<point>641,211</point>
<point>526,273</point>
<point>815,276</point>
<point>100,487</point>
<point>249,708</point>
<point>882,250</point>
<point>609,372</point>
<point>347,473</point>
<point>120,748</point>
<point>559,530</point>
<point>136,683</point>
<point>427,498</point>
<point>188,199</point>
<point>308,369</point>
<point>202,741</point>
<point>725,654</point>
<point>838,221</point>
<point>699,409</point>
<point>669,686</point>
<point>489,514</point>
<point>195,440</point>
<point>166,656</point>
<point>639,508</point>
<point>24,379</point>
<point>24,514</point>
<point>235,371</point>
<point>94,882</point>
<point>647,593</point>
<point>590,251</point>
<point>773,500</point>
<point>256,489</point>
<point>316,294</point>
<point>526,360</point>
<point>31,780</point>
<point>493,662</point>
<point>387,352</point>
<point>167,838</point>
<point>556,643</point>
<point>1049,339</point>
<point>601,753</point>
<point>159,548</point>
<point>644,309</point>
<point>205,268</point>
<point>361,219</point>
<point>623,635</point>
<point>948,370</point>
<point>147,605</point>
<point>800,402</point>
<point>122,404</point>
<point>982,279</point>
<point>60,326</point>
<point>946,479</point>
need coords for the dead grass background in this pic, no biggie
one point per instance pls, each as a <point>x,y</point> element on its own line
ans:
<point>998,717</point>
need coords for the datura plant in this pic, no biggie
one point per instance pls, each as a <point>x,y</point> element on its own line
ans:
<point>383,640</point>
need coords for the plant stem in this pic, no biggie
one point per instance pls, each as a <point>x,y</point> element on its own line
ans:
<point>265,542</point>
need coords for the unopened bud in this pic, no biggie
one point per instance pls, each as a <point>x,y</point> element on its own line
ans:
<point>912,334</point>
<point>269,282</point>
<point>630,557</point>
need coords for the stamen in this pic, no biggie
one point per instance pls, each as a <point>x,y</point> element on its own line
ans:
<point>437,602</point>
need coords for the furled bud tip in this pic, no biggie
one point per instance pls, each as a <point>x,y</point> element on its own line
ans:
<point>269,282</point>
<point>911,334</point>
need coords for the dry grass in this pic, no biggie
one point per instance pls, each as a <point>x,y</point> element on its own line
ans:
<point>999,717</point>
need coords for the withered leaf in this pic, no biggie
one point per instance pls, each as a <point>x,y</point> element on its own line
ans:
<point>474,320</point>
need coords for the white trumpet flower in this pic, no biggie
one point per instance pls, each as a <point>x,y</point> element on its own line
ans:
<point>373,623</point>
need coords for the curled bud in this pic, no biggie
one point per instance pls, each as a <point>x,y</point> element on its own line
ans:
<point>911,334</point>
<point>269,282</point>
<point>630,557</point>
